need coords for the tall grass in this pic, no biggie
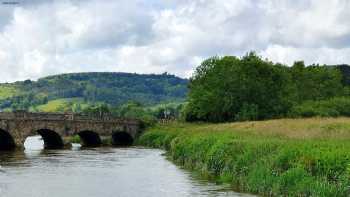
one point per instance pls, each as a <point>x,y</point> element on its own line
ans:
<point>303,157</point>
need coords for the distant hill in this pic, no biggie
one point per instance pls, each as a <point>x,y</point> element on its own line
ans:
<point>94,87</point>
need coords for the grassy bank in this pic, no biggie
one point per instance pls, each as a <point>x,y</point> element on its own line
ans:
<point>289,157</point>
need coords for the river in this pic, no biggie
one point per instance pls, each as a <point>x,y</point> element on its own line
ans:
<point>98,172</point>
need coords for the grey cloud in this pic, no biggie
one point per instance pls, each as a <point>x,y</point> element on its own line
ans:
<point>5,15</point>
<point>40,37</point>
<point>115,23</point>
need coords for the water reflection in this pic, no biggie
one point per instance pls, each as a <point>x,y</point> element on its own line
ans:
<point>34,143</point>
<point>12,158</point>
<point>125,172</point>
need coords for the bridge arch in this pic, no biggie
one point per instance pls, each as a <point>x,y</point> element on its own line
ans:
<point>122,138</point>
<point>52,140</point>
<point>90,138</point>
<point>6,141</point>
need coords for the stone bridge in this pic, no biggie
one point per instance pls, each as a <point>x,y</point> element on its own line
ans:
<point>57,129</point>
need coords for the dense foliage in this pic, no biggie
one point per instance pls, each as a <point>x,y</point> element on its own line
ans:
<point>250,88</point>
<point>333,107</point>
<point>109,88</point>
<point>148,114</point>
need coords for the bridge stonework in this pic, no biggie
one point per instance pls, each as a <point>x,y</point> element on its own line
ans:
<point>54,127</point>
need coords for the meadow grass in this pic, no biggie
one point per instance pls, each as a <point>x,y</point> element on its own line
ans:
<point>286,157</point>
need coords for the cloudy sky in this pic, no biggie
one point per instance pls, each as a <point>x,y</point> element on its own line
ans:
<point>45,37</point>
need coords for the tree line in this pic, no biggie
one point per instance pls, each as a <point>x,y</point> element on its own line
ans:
<point>148,114</point>
<point>221,89</point>
<point>251,88</point>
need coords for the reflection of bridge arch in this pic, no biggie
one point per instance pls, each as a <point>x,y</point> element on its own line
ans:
<point>56,128</point>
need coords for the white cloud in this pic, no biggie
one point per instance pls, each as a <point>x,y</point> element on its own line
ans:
<point>39,38</point>
<point>322,55</point>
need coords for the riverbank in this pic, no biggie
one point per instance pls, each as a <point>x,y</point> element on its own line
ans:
<point>289,157</point>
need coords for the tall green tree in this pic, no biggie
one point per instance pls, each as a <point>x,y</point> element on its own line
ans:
<point>249,88</point>
<point>229,88</point>
<point>316,82</point>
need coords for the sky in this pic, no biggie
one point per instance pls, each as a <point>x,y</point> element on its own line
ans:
<point>46,37</point>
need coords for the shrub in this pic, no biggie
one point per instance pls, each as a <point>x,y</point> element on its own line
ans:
<point>247,112</point>
<point>75,139</point>
<point>338,106</point>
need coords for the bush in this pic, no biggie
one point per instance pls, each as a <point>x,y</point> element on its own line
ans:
<point>75,139</point>
<point>334,107</point>
<point>247,112</point>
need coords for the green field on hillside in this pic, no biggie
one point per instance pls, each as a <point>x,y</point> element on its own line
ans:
<point>60,105</point>
<point>286,157</point>
<point>105,87</point>
<point>7,91</point>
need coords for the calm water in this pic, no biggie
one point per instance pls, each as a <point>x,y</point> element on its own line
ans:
<point>100,172</point>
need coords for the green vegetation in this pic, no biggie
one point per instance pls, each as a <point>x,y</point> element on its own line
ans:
<point>333,107</point>
<point>7,91</point>
<point>148,114</point>
<point>62,105</point>
<point>114,89</point>
<point>286,157</point>
<point>250,88</point>
<point>75,139</point>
